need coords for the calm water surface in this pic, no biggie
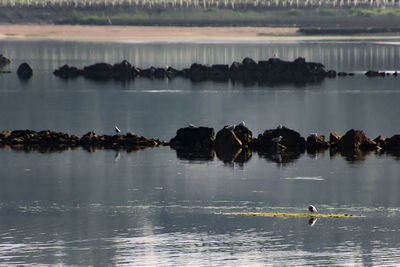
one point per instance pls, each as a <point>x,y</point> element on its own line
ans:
<point>151,207</point>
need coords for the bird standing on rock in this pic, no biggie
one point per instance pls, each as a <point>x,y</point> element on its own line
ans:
<point>312,209</point>
<point>276,139</point>
<point>230,128</point>
<point>117,130</point>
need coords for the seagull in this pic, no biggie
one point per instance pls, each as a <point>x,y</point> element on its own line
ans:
<point>230,128</point>
<point>242,124</point>
<point>117,130</point>
<point>276,139</point>
<point>312,209</point>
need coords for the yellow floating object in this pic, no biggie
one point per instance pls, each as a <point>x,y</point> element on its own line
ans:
<point>279,214</point>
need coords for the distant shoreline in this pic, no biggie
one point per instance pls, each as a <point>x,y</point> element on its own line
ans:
<point>166,34</point>
<point>140,33</point>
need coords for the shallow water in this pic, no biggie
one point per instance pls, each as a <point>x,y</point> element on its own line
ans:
<point>151,207</point>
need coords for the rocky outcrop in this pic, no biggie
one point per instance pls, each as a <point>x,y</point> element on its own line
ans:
<point>272,71</point>
<point>375,73</point>
<point>28,140</point>
<point>4,61</point>
<point>193,137</point>
<point>354,140</point>
<point>226,140</point>
<point>316,143</point>
<point>24,71</point>
<point>287,137</point>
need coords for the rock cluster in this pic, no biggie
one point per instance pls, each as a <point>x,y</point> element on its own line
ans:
<point>375,73</point>
<point>281,144</point>
<point>50,140</point>
<point>271,71</point>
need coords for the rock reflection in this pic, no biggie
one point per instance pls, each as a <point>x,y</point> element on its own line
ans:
<point>199,154</point>
<point>284,157</point>
<point>240,155</point>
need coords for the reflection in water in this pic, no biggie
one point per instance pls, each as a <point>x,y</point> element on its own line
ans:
<point>312,221</point>
<point>195,154</point>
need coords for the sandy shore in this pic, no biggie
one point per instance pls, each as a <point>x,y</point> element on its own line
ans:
<point>139,33</point>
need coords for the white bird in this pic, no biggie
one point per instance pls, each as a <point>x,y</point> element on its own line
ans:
<point>117,130</point>
<point>230,128</point>
<point>276,139</point>
<point>242,124</point>
<point>312,209</point>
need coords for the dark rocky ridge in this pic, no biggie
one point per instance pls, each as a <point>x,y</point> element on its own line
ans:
<point>272,71</point>
<point>57,141</point>
<point>231,144</point>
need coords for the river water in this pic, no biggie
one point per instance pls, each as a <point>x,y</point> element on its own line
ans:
<point>151,207</point>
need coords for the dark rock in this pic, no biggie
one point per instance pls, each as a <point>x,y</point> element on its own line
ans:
<point>290,139</point>
<point>4,61</point>
<point>244,134</point>
<point>316,143</point>
<point>160,73</point>
<point>24,71</point>
<point>334,139</point>
<point>199,72</point>
<point>66,72</point>
<point>227,141</point>
<point>148,73</point>
<point>98,71</point>
<point>393,143</point>
<point>331,74</point>
<point>219,72</point>
<point>372,73</point>
<point>193,137</point>
<point>380,141</point>
<point>122,71</point>
<point>355,139</point>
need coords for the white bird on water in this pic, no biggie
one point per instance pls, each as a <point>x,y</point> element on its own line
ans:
<point>242,124</point>
<point>312,209</point>
<point>276,139</point>
<point>117,130</point>
<point>230,128</point>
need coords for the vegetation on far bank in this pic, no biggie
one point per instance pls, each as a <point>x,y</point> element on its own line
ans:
<point>327,17</point>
